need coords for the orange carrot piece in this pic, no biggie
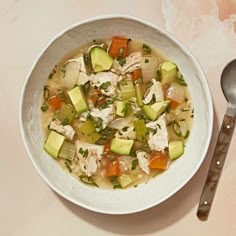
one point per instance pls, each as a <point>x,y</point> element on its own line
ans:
<point>55,103</point>
<point>116,44</point>
<point>136,74</point>
<point>96,98</point>
<point>113,168</point>
<point>159,161</point>
<point>173,104</point>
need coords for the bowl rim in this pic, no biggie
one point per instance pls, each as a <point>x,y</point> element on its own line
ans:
<point>183,48</point>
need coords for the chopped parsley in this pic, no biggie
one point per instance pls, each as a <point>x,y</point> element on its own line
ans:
<point>125,128</point>
<point>68,166</point>
<point>63,70</point>
<point>53,72</point>
<point>44,107</point>
<point>65,121</point>
<point>146,60</point>
<point>181,81</point>
<point>120,58</point>
<point>134,164</point>
<point>146,48</point>
<point>105,85</point>
<point>114,182</point>
<point>83,153</point>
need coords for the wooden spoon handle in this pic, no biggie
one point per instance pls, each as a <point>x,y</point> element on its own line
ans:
<point>216,167</point>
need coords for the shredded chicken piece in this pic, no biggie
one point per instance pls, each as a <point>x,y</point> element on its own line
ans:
<point>66,130</point>
<point>107,114</point>
<point>128,133</point>
<point>158,140</point>
<point>156,91</point>
<point>103,77</point>
<point>143,161</point>
<point>90,162</point>
<point>133,62</point>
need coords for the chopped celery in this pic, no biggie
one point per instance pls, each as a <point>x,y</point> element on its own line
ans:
<point>139,94</point>
<point>123,108</point>
<point>87,180</point>
<point>140,129</point>
<point>67,151</point>
<point>88,130</point>
<point>127,89</point>
<point>66,114</point>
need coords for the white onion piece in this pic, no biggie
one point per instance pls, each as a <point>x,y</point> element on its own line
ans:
<point>71,74</point>
<point>176,92</point>
<point>149,65</point>
<point>183,128</point>
<point>120,123</point>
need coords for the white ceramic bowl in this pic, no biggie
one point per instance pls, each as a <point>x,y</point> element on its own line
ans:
<point>158,189</point>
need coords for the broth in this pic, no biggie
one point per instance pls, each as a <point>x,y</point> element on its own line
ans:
<point>115,113</point>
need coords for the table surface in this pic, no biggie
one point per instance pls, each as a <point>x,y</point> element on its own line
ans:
<point>27,205</point>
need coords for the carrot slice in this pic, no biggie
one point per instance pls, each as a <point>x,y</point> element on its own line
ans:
<point>112,168</point>
<point>55,103</point>
<point>159,160</point>
<point>116,44</point>
<point>136,75</point>
<point>173,104</point>
<point>97,98</point>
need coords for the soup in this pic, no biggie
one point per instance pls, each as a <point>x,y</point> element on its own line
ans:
<point>115,113</point>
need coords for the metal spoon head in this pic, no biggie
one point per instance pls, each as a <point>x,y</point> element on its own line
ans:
<point>228,82</point>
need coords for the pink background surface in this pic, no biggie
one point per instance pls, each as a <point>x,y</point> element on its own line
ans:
<point>27,205</point>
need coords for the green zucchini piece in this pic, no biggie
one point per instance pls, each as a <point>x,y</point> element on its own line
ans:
<point>121,146</point>
<point>53,144</point>
<point>100,59</point>
<point>155,110</point>
<point>168,72</point>
<point>125,180</point>
<point>176,149</point>
<point>78,99</point>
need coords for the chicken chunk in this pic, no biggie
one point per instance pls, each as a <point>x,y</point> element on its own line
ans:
<point>143,161</point>
<point>158,140</point>
<point>128,133</point>
<point>66,130</point>
<point>89,156</point>
<point>132,62</point>
<point>154,91</point>
<point>107,114</point>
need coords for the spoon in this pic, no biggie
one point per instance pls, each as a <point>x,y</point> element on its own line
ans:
<point>228,85</point>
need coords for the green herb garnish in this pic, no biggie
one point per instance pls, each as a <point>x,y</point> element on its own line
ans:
<point>68,166</point>
<point>53,72</point>
<point>146,60</point>
<point>181,81</point>
<point>44,107</point>
<point>146,48</point>
<point>63,70</point>
<point>134,164</point>
<point>121,61</point>
<point>114,182</point>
